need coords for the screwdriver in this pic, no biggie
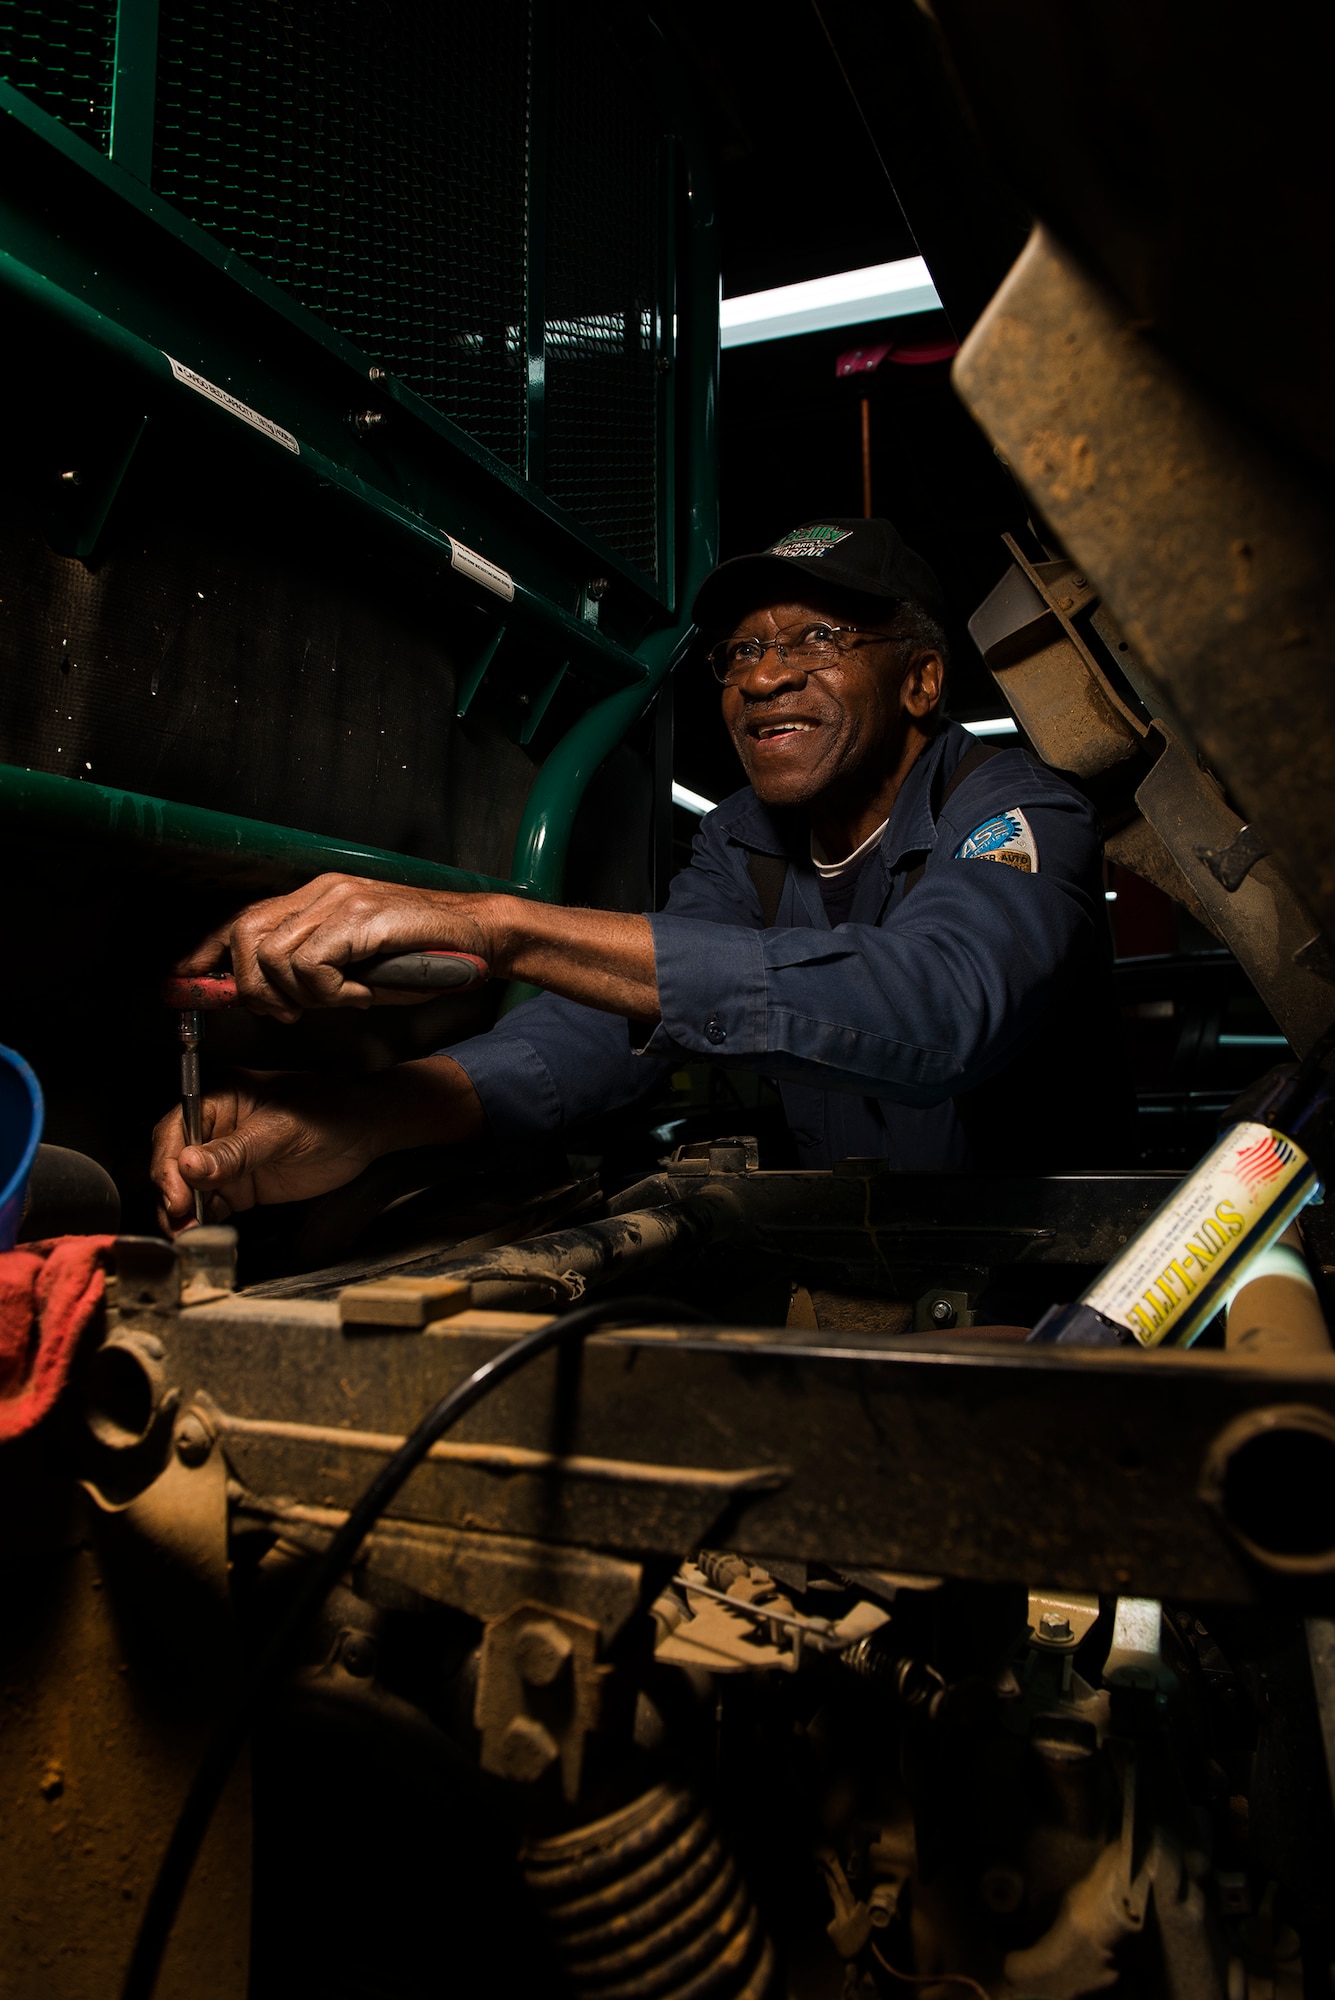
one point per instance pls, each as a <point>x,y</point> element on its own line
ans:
<point>200,993</point>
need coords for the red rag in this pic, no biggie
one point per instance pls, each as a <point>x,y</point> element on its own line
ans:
<point>48,1293</point>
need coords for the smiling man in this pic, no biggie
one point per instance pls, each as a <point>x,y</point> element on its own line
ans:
<point>902,927</point>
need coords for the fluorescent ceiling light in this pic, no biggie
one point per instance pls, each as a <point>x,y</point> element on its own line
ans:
<point>997,725</point>
<point>692,801</point>
<point>882,291</point>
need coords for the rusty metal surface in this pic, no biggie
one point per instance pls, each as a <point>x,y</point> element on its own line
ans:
<point>911,1455</point>
<point>1213,553</point>
<point>1026,631</point>
<point>563,1263</point>
<point>485,1576</point>
<point>103,1718</point>
<point>1259,919</point>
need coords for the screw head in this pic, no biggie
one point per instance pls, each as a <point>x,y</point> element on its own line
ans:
<point>1055,1625</point>
<point>193,1442</point>
<point>527,1749</point>
<point>1002,1888</point>
<point>943,1313</point>
<point>541,1651</point>
<point>358,1654</point>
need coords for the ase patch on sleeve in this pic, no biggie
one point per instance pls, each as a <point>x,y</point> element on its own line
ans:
<point>1006,837</point>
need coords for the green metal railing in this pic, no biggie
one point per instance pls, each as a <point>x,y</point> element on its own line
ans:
<point>34,278</point>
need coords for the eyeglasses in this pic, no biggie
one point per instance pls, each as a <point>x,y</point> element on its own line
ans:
<point>811,645</point>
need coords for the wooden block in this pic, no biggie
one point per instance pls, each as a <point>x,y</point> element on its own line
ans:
<point>410,1302</point>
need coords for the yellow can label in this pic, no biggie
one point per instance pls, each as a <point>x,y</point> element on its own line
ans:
<point>1176,1271</point>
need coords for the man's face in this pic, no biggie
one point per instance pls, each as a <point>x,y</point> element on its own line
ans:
<point>800,735</point>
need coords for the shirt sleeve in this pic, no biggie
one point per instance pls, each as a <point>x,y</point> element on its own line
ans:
<point>926,1004</point>
<point>552,1062</point>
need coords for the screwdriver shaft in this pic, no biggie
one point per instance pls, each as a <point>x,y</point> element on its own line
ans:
<point>192,1103</point>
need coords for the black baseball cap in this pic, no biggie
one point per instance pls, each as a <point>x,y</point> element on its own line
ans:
<point>869,558</point>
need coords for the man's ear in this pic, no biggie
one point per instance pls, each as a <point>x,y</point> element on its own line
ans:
<point>922,684</point>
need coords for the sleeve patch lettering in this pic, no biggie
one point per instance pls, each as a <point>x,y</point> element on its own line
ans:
<point>1006,837</point>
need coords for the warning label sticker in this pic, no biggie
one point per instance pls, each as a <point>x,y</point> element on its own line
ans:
<point>489,574</point>
<point>203,387</point>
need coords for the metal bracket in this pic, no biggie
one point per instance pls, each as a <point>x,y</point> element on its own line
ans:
<point>1232,864</point>
<point>539,1693</point>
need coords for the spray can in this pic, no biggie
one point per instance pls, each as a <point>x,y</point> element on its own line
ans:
<point>1180,1268</point>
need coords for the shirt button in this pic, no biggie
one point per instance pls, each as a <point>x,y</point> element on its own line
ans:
<point>715,1030</point>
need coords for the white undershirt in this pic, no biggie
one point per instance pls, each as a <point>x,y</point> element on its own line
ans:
<point>827,870</point>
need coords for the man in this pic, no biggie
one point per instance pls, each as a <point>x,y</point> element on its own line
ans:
<point>903,928</point>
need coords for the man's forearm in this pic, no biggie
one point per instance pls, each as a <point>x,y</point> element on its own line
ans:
<point>599,957</point>
<point>429,1102</point>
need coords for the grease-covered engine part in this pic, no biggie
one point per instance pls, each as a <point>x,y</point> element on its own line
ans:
<point>1047,1798</point>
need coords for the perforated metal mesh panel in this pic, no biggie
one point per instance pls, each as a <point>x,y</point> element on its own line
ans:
<point>603,237</point>
<point>375,158</point>
<point>63,54</point>
<point>371,157</point>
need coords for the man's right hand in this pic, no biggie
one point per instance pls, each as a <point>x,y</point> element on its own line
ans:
<point>286,1138</point>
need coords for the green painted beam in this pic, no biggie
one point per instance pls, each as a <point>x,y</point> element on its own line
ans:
<point>134,87</point>
<point>45,807</point>
<point>596,654</point>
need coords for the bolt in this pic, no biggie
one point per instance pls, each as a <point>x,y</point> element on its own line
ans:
<point>882,1904</point>
<point>1002,1888</point>
<point>377,374</point>
<point>1054,1625</point>
<point>597,586</point>
<point>541,1651</point>
<point>1078,582</point>
<point>663,364</point>
<point>52,1782</point>
<point>364,421</point>
<point>943,1313</point>
<point>358,1654</point>
<point>526,1749</point>
<point>193,1440</point>
<point>71,479</point>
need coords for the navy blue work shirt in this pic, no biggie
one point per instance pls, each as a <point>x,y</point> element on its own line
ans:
<point>967,1024</point>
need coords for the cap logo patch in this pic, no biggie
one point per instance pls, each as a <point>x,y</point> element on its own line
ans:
<point>816,541</point>
<point>1006,837</point>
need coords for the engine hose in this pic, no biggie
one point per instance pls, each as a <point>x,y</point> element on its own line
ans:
<point>647,1904</point>
<point>233,1728</point>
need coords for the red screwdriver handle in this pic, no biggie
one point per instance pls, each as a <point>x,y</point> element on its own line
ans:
<point>403,972</point>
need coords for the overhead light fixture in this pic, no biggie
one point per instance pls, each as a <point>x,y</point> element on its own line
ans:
<point>694,802</point>
<point>846,298</point>
<point>996,725</point>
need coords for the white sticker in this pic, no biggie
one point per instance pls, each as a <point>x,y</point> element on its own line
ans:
<point>1006,837</point>
<point>203,387</point>
<point>1178,1269</point>
<point>469,563</point>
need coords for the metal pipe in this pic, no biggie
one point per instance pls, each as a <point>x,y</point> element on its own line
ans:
<point>543,841</point>
<point>1275,1310</point>
<point>101,815</point>
<point>598,1253</point>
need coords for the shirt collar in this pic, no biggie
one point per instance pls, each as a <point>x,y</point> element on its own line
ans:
<point>911,828</point>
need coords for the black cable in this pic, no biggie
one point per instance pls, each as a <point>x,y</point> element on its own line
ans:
<point>192,1822</point>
